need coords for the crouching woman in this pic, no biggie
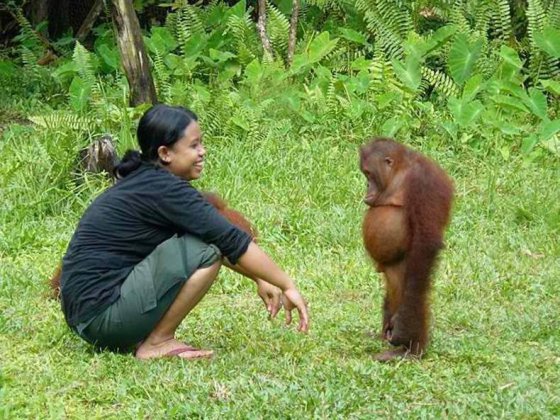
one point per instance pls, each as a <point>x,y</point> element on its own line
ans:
<point>148,249</point>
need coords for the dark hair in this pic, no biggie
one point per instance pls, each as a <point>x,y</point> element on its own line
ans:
<point>161,125</point>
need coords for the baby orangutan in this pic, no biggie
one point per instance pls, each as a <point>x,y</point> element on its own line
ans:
<point>409,199</point>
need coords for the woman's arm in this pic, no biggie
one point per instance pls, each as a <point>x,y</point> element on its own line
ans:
<point>258,265</point>
<point>270,295</point>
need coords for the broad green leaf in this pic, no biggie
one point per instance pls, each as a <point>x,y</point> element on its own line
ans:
<point>510,56</point>
<point>299,62</point>
<point>536,102</point>
<point>173,61</point>
<point>354,36</point>
<point>237,10</point>
<point>320,47</point>
<point>549,41</point>
<point>465,112</point>
<point>65,72</point>
<point>253,72</point>
<point>316,51</point>
<point>439,38</point>
<point>109,56</point>
<point>528,143</point>
<point>391,126</point>
<point>79,94</point>
<point>195,45</point>
<point>462,58</point>
<point>551,86</point>
<point>472,87</point>
<point>220,56</point>
<point>547,129</point>
<point>360,63</point>
<point>508,102</point>
<point>410,75</point>
<point>511,64</point>
<point>162,39</point>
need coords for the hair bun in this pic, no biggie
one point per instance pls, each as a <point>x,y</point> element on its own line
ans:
<point>129,162</point>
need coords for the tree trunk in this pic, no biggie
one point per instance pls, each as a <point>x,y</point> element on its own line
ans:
<point>39,11</point>
<point>293,32</point>
<point>133,54</point>
<point>261,27</point>
<point>90,19</point>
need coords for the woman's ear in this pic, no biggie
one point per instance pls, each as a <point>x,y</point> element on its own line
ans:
<point>164,155</point>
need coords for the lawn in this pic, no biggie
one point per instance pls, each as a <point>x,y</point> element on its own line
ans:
<point>495,349</point>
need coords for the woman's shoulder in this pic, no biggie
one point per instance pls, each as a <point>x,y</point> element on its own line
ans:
<point>153,177</point>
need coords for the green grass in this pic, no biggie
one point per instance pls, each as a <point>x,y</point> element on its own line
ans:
<point>495,348</point>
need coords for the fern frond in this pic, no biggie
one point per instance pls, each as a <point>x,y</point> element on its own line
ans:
<point>161,78</point>
<point>501,15</point>
<point>441,82</point>
<point>331,97</point>
<point>389,22</point>
<point>457,17</point>
<point>554,14</point>
<point>389,40</point>
<point>83,60</point>
<point>29,36</point>
<point>63,121</point>
<point>187,22</point>
<point>395,16</point>
<point>536,17</point>
<point>278,27</point>
<point>244,38</point>
<point>483,15</point>
<point>541,66</point>
<point>382,73</point>
<point>29,60</point>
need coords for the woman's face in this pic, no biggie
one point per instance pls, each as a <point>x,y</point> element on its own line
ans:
<point>185,158</point>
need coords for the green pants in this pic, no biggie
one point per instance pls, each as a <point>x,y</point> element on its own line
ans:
<point>148,292</point>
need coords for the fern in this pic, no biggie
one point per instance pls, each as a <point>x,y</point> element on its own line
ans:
<point>161,78</point>
<point>554,14</point>
<point>396,17</point>
<point>457,17</point>
<point>186,23</point>
<point>331,97</point>
<point>29,60</point>
<point>502,19</point>
<point>441,82</point>
<point>63,121</point>
<point>243,36</point>
<point>28,35</point>
<point>82,59</point>
<point>382,73</point>
<point>389,22</point>
<point>278,27</point>
<point>540,65</point>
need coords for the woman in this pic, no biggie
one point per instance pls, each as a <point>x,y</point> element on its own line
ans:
<point>148,249</point>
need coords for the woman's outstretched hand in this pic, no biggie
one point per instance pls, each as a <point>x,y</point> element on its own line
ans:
<point>292,299</point>
<point>271,296</point>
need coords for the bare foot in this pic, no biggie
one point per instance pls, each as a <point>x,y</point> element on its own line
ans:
<point>169,348</point>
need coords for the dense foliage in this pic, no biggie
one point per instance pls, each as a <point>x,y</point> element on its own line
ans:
<point>485,74</point>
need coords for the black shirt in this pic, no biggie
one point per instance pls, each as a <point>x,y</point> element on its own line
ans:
<point>124,225</point>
